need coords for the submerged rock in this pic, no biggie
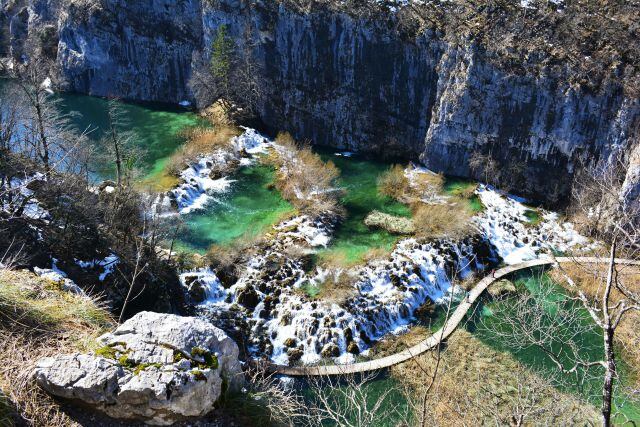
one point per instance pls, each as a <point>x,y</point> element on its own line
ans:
<point>501,287</point>
<point>155,367</point>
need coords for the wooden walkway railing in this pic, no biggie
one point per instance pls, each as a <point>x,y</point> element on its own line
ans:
<point>440,335</point>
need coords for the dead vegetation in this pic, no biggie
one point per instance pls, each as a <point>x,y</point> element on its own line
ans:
<point>304,179</point>
<point>443,221</point>
<point>496,389</point>
<point>422,187</point>
<point>201,141</point>
<point>38,319</point>
<point>591,281</point>
<point>337,288</point>
<point>433,214</point>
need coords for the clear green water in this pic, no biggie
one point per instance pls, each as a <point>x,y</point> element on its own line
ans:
<point>484,323</point>
<point>455,186</point>
<point>252,205</point>
<point>394,411</point>
<point>156,128</point>
<point>353,239</point>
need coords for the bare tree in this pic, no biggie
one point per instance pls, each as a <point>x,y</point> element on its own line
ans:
<point>119,143</point>
<point>348,401</point>
<point>600,210</point>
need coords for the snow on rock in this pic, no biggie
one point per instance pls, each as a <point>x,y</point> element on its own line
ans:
<point>108,264</point>
<point>24,198</point>
<point>56,275</point>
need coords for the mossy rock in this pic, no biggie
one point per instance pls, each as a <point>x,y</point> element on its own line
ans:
<point>330,350</point>
<point>199,375</point>
<point>426,310</point>
<point>248,298</point>
<point>290,342</point>
<point>210,359</point>
<point>295,354</point>
<point>353,348</point>
<point>391,223</point>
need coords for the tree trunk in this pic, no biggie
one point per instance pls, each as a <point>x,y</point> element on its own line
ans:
<point>607,386</point>
<point>43,136</point>
<point>608,332</point>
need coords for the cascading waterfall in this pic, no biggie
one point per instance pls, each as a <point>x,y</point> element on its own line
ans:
<point>268,304</point>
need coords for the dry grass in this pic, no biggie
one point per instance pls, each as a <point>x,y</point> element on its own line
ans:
<point>376,254</point>
<point>227,255</point>
<point>200,141</point>
<point>413,192</point>
<point>37,319</point>
<point>443,221</point>
<point>304,179</point>
<point>477,385</point>
<point>397,343</point>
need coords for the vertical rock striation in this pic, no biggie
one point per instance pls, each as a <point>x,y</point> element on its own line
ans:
<point>347,81</point>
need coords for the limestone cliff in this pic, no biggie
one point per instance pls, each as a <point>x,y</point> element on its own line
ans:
<point>354,76</point>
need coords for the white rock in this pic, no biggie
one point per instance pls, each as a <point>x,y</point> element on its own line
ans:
<point>154,387</point>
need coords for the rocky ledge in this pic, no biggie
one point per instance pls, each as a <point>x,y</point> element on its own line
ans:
<point>157,368</point>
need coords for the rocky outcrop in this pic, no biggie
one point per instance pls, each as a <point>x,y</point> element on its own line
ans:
<point>154,367</point>
<point>352,81</point>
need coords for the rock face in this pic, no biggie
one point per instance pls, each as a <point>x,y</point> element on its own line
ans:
<point>355,83</point>
<point>154,367</point>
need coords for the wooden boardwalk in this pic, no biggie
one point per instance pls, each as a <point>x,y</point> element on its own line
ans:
<point>440,335</point>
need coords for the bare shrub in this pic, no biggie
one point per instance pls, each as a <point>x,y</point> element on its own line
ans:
<point>304,179</point>
<point>266,400</point>
<point>350,401</point>
<point>443,221</point>
<point>497,389</point>
<point>201,141</point>
<point>338,287</point>
<point>394,183</point>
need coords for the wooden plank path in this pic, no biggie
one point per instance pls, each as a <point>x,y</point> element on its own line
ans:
<point>440,335</point>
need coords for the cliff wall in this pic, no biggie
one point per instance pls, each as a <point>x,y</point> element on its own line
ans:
<point>353,81</point>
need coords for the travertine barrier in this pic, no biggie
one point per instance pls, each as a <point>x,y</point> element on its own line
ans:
<point>440,335</point>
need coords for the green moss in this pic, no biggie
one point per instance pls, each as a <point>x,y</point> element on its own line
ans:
<point>108,352</point>
<point>126,362</point>
<point>210,359</point>
<point>199,375</point>
<point>141,367</point>
<point>533,216</point>
<point>475,204</point>
<point>177,356</point>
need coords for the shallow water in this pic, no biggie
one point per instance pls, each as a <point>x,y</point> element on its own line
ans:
<point>251,205</point>
<point>590,345</point>
<point>156,128</point>
<point>246,211</point>
<point>359,178</point>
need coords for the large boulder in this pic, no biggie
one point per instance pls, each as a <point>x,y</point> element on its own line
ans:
<point>158,368</point>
